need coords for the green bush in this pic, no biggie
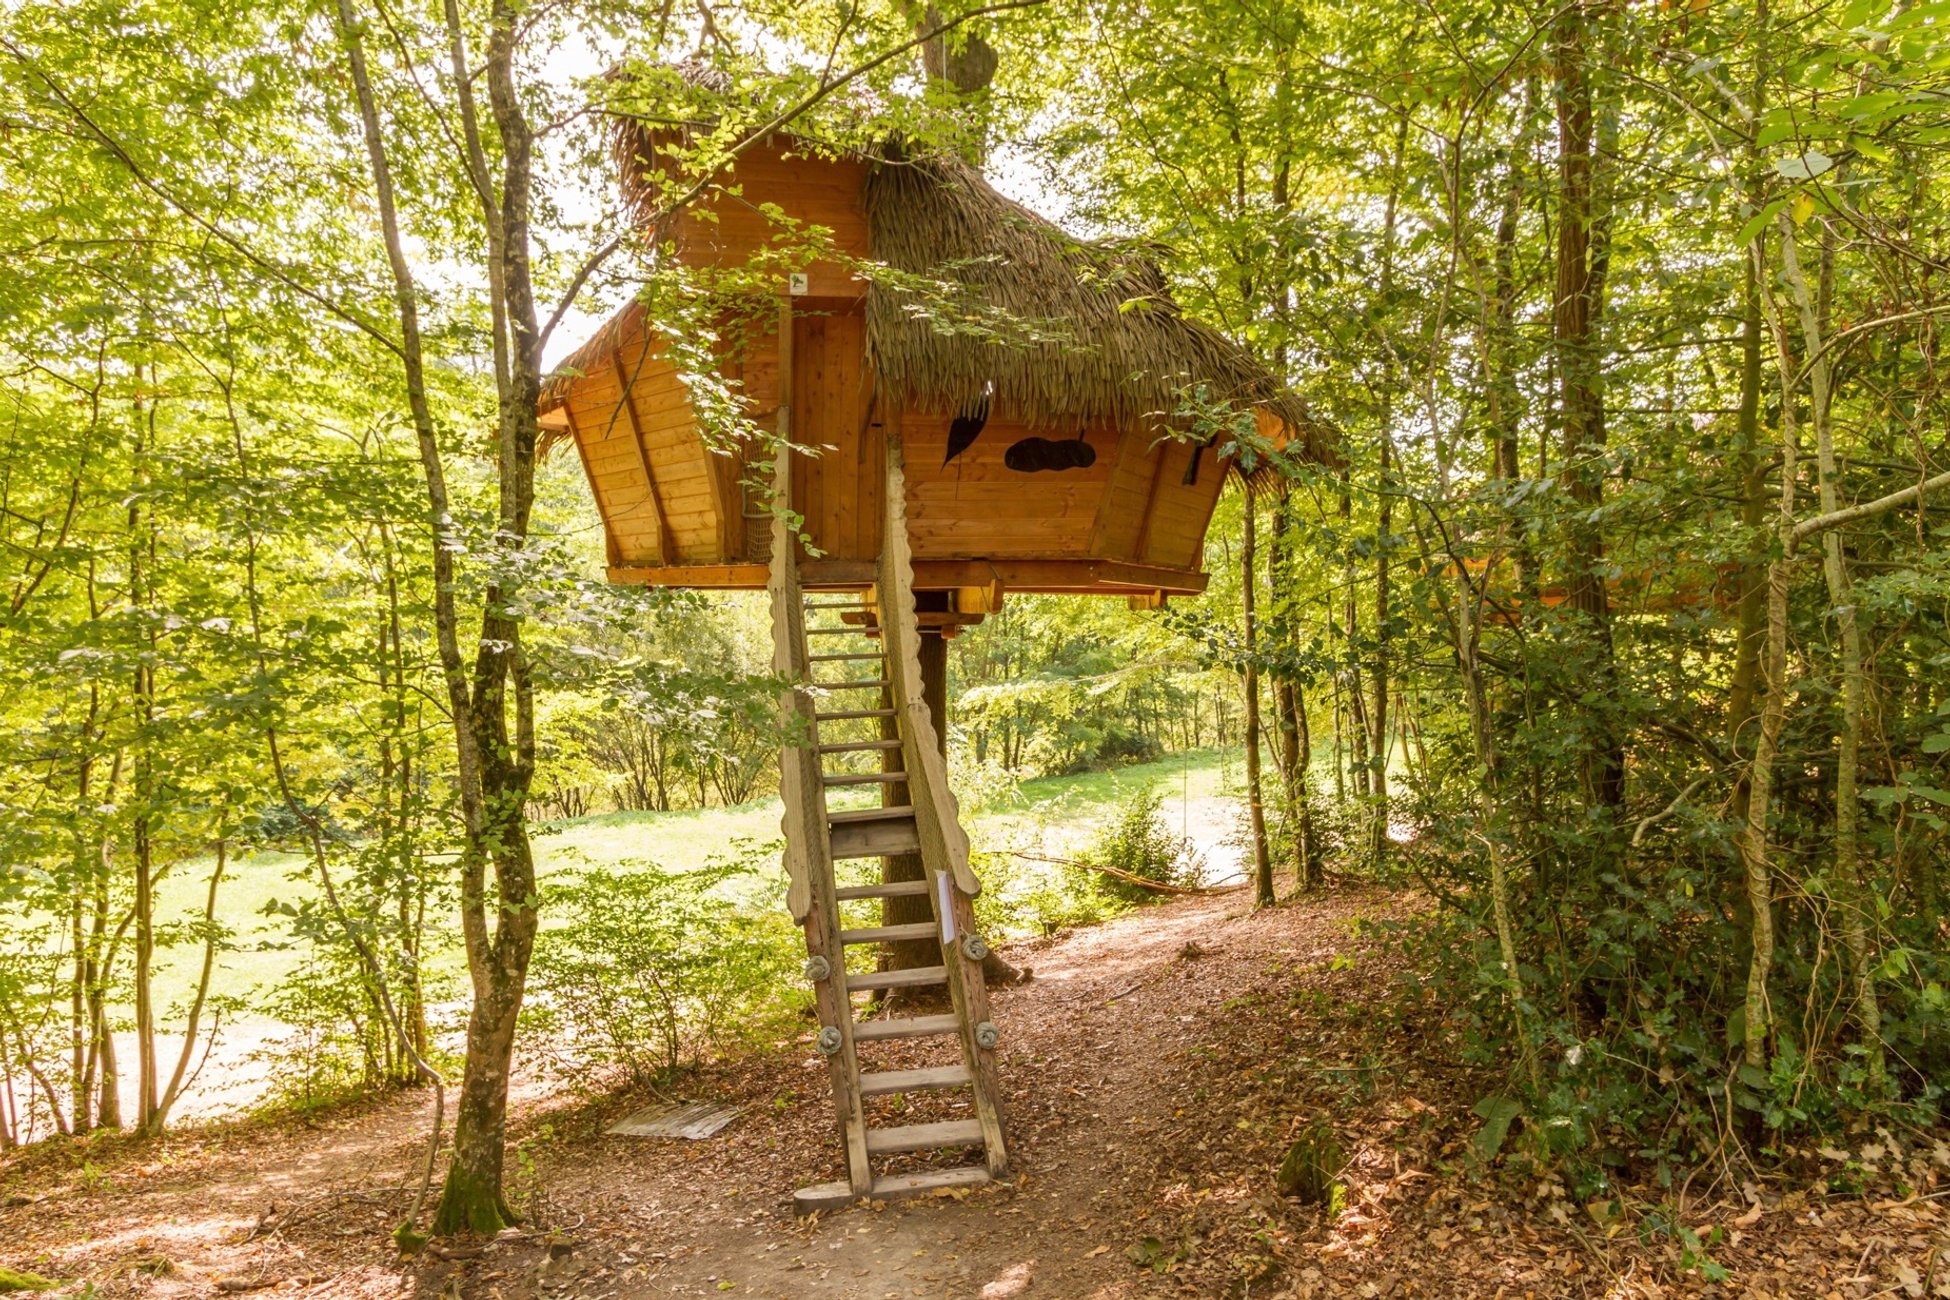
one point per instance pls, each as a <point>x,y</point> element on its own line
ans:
<point>644,972</point>
<point>1026,897</point>
<point>1138,841</point>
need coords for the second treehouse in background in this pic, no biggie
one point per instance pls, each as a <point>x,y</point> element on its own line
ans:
<point>992,405</point>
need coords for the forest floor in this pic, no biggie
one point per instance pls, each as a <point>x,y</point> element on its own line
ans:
<point>1157,1068</point>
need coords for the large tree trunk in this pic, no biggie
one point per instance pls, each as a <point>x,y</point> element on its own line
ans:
<point>913,909</point>
<point>494,751</point>
<point>1580,282</point>
<point>919,909</point>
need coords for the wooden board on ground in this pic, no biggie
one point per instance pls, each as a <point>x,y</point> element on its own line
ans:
<point>694,1122</point>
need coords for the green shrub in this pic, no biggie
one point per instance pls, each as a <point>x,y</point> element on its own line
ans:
<point>334,1040</point>
<point>1028,897</point>
<point>643,972</point>
<point>1138,841</point>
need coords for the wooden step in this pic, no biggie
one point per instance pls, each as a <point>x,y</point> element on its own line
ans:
<point>897,889</point>
<point>850,630</point>
<point>874,839</point>
<point>839,604</point>
<point>867,1031</point>
<point>900,1185</point>
<point>885,1081</point>
<point>849,715</point>
<point>834,1196</point>
<point>857,815</point>
<point>898,979</point>
<point>863,778</point>
<point>874,684</point>
<point>924,1137</point>
<point>833,659</point>
<point>891,933</point>
<point>855,746</point>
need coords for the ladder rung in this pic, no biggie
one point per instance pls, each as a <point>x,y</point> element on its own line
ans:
<point>867,1031</point>
<point>899,979</point>
<point>854,746</point>
<point>831,659</point>
<point>900,1185</point>
<point>875,684</point>
<point>864,778</point>
<point>892,889</point>
<point>924,1137</point>
<point>832,1196</point>
<point>886,1081</point>
<point>839,604</point>
<point>855,629</point>
<point>880,839</point>
<point>848,715</point>
<point>891,933</point>
<point>896,813</point>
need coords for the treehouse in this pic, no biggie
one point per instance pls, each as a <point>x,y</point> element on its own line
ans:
<point>985,404</point>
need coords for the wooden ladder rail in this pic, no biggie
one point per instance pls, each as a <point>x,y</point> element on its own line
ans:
<point>944,844</point>
<point>810,887</point>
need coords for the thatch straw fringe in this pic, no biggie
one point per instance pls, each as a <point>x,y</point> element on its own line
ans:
<point>1126,352</point>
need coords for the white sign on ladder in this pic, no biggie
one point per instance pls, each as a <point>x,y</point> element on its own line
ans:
<point>947,909</point>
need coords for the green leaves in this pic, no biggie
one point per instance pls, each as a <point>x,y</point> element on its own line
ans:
<point>1806,166</point>
<point>1497,1114</point>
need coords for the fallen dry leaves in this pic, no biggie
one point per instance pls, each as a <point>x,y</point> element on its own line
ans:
<point>1156,1070</point>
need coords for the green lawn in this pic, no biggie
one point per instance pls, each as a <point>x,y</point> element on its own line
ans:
<point>1050,815</point>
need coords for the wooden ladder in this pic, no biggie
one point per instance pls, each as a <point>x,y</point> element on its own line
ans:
<point>855,669</point>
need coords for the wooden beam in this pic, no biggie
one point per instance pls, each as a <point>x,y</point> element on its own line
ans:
<point>984,599</point>
<point>612,546</point>
<point>1131,448</point>
<point>937,820</point>
<point>1143,546</point>
<point>666,544</point>
<point>1078,577</point>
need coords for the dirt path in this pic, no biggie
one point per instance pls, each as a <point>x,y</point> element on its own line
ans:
<point>1087,1038</point>
<point>1157,1068</point>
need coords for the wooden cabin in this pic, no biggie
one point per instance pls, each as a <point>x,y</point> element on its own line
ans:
<point>987,405</point>
<point>1053,339</point>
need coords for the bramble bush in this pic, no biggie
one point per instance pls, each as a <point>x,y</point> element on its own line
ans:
<point>1137,840</point>
<point>644,972</point>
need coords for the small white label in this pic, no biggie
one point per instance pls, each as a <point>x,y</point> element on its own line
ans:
<point>796,284</point>
<point>947,908</point>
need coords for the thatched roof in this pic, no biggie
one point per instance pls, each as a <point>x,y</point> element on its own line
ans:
<point>986,296</point>
<point>1118,347</point>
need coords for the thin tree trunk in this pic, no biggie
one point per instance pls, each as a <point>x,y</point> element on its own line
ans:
<point>143,688</point>
<point>1855,894</point>
<point>100,1077</point>
<point>489,768</point>
<point>194,1020</point>
<point>1378,814</point>
<point>1263,894</point>
<point>1290,703</point>
<point>1753,841</point>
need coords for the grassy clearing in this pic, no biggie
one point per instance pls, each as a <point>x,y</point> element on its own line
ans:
<point>1051,815</point>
